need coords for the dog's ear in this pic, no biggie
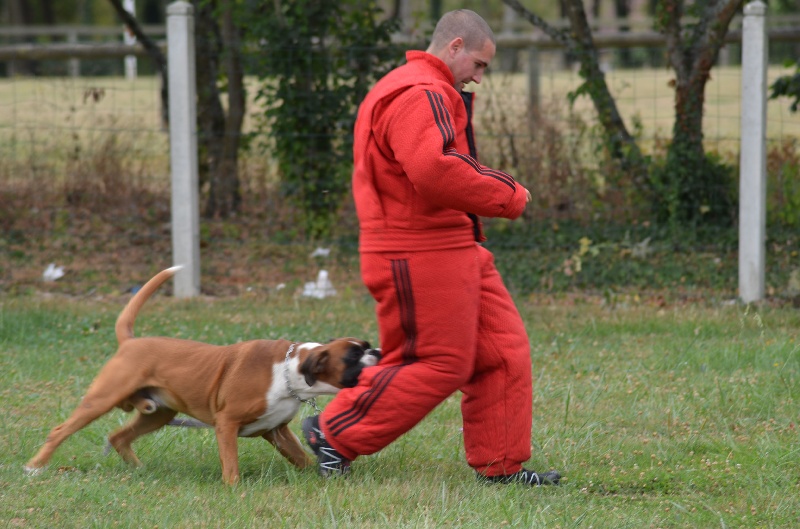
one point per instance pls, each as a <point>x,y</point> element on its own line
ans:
<point>315,365</point>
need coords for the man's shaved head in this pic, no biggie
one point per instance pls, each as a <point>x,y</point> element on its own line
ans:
<point>468,25</point>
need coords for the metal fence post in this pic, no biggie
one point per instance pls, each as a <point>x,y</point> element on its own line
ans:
<point>183,148</point>
<point>752,161</point>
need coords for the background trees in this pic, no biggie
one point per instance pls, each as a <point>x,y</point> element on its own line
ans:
<point>220,71</point>
<point>788,86</point>
<point>687,186</point>
<point>314,61</point>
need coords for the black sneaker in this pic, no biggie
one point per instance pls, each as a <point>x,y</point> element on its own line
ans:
<point>525,477</point>
<point>331,463</point>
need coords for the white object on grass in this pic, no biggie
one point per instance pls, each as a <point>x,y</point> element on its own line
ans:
<point>321,252</point>
<point>321,288</point>
<point>53,272</point>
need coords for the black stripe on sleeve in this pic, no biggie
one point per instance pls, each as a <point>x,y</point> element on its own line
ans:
<point>442,118</point>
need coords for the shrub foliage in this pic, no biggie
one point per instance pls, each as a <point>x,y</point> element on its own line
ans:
<point>316,62</point>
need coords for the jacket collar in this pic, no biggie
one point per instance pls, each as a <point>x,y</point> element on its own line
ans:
<point>433,61</point>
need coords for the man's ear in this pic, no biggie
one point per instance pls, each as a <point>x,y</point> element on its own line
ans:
<point>455,46</point>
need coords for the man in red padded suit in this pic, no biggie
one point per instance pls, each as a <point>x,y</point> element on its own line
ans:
<point>446,320</point>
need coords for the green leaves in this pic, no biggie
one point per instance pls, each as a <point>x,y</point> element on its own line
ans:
<point>690,186</point>
<point>788,86</point>
<point>317,60</point>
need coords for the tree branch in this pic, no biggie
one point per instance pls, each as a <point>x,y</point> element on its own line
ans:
<point>716,21</point>
<point>152,50</point>
<point>621,144</point>
<point>558,35</point>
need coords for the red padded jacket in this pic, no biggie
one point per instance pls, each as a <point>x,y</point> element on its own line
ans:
<point>414,182</point>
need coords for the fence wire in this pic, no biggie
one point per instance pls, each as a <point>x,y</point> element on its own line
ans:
<point>103,134</point>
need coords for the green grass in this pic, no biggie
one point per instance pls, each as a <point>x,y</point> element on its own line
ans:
<point>677,415</point>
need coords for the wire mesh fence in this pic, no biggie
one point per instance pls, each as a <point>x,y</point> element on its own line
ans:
<point>98,139</point>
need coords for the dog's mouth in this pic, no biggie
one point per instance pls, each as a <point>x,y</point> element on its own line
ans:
<point>355,361</point>
<point>371,357</point>
<point>359,355</point>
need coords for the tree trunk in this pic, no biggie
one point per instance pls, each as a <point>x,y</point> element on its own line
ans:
<point>696,187</point>
<point>218,136</point>
<point>579,41</point>
<point>19,14</point>
<point>48,15</point>
<point>692,52</point>
<point>622,11</point>
<point>228,195</point>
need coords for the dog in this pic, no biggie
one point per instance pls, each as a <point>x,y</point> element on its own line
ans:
<point>247,389</point>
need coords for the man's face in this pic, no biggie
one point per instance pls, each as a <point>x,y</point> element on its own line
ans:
<point>469,65</point>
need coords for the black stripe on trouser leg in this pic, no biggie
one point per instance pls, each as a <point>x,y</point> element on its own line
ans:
<point>405,298</point>
<point>361,406</point>
<point>405,301</point>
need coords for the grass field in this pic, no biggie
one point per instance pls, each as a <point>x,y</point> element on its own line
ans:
<point>664,404</point>
<point>659,415</point>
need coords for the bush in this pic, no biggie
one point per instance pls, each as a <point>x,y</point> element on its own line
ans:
<point>691,188</point>
<point>318,59</point>
<point>783,186</point>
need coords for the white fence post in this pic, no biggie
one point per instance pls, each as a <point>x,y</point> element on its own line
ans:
<point>129,38</point>
<point>74,65</point>
<point>183,148</point>
<point>752,162</point>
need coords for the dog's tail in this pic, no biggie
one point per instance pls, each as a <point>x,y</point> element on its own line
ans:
<point>124,327</point>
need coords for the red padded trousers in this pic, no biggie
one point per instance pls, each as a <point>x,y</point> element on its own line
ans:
<point>446,323</point>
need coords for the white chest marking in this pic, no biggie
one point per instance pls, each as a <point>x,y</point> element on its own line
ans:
<point>281,405</point>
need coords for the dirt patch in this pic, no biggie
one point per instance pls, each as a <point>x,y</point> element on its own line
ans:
<point>110,244</point>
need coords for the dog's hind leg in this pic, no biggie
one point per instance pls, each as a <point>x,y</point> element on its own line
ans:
<point>109,389</point>
<point>90,408</point>
<point>141,425</point>
<point>287,443</point>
